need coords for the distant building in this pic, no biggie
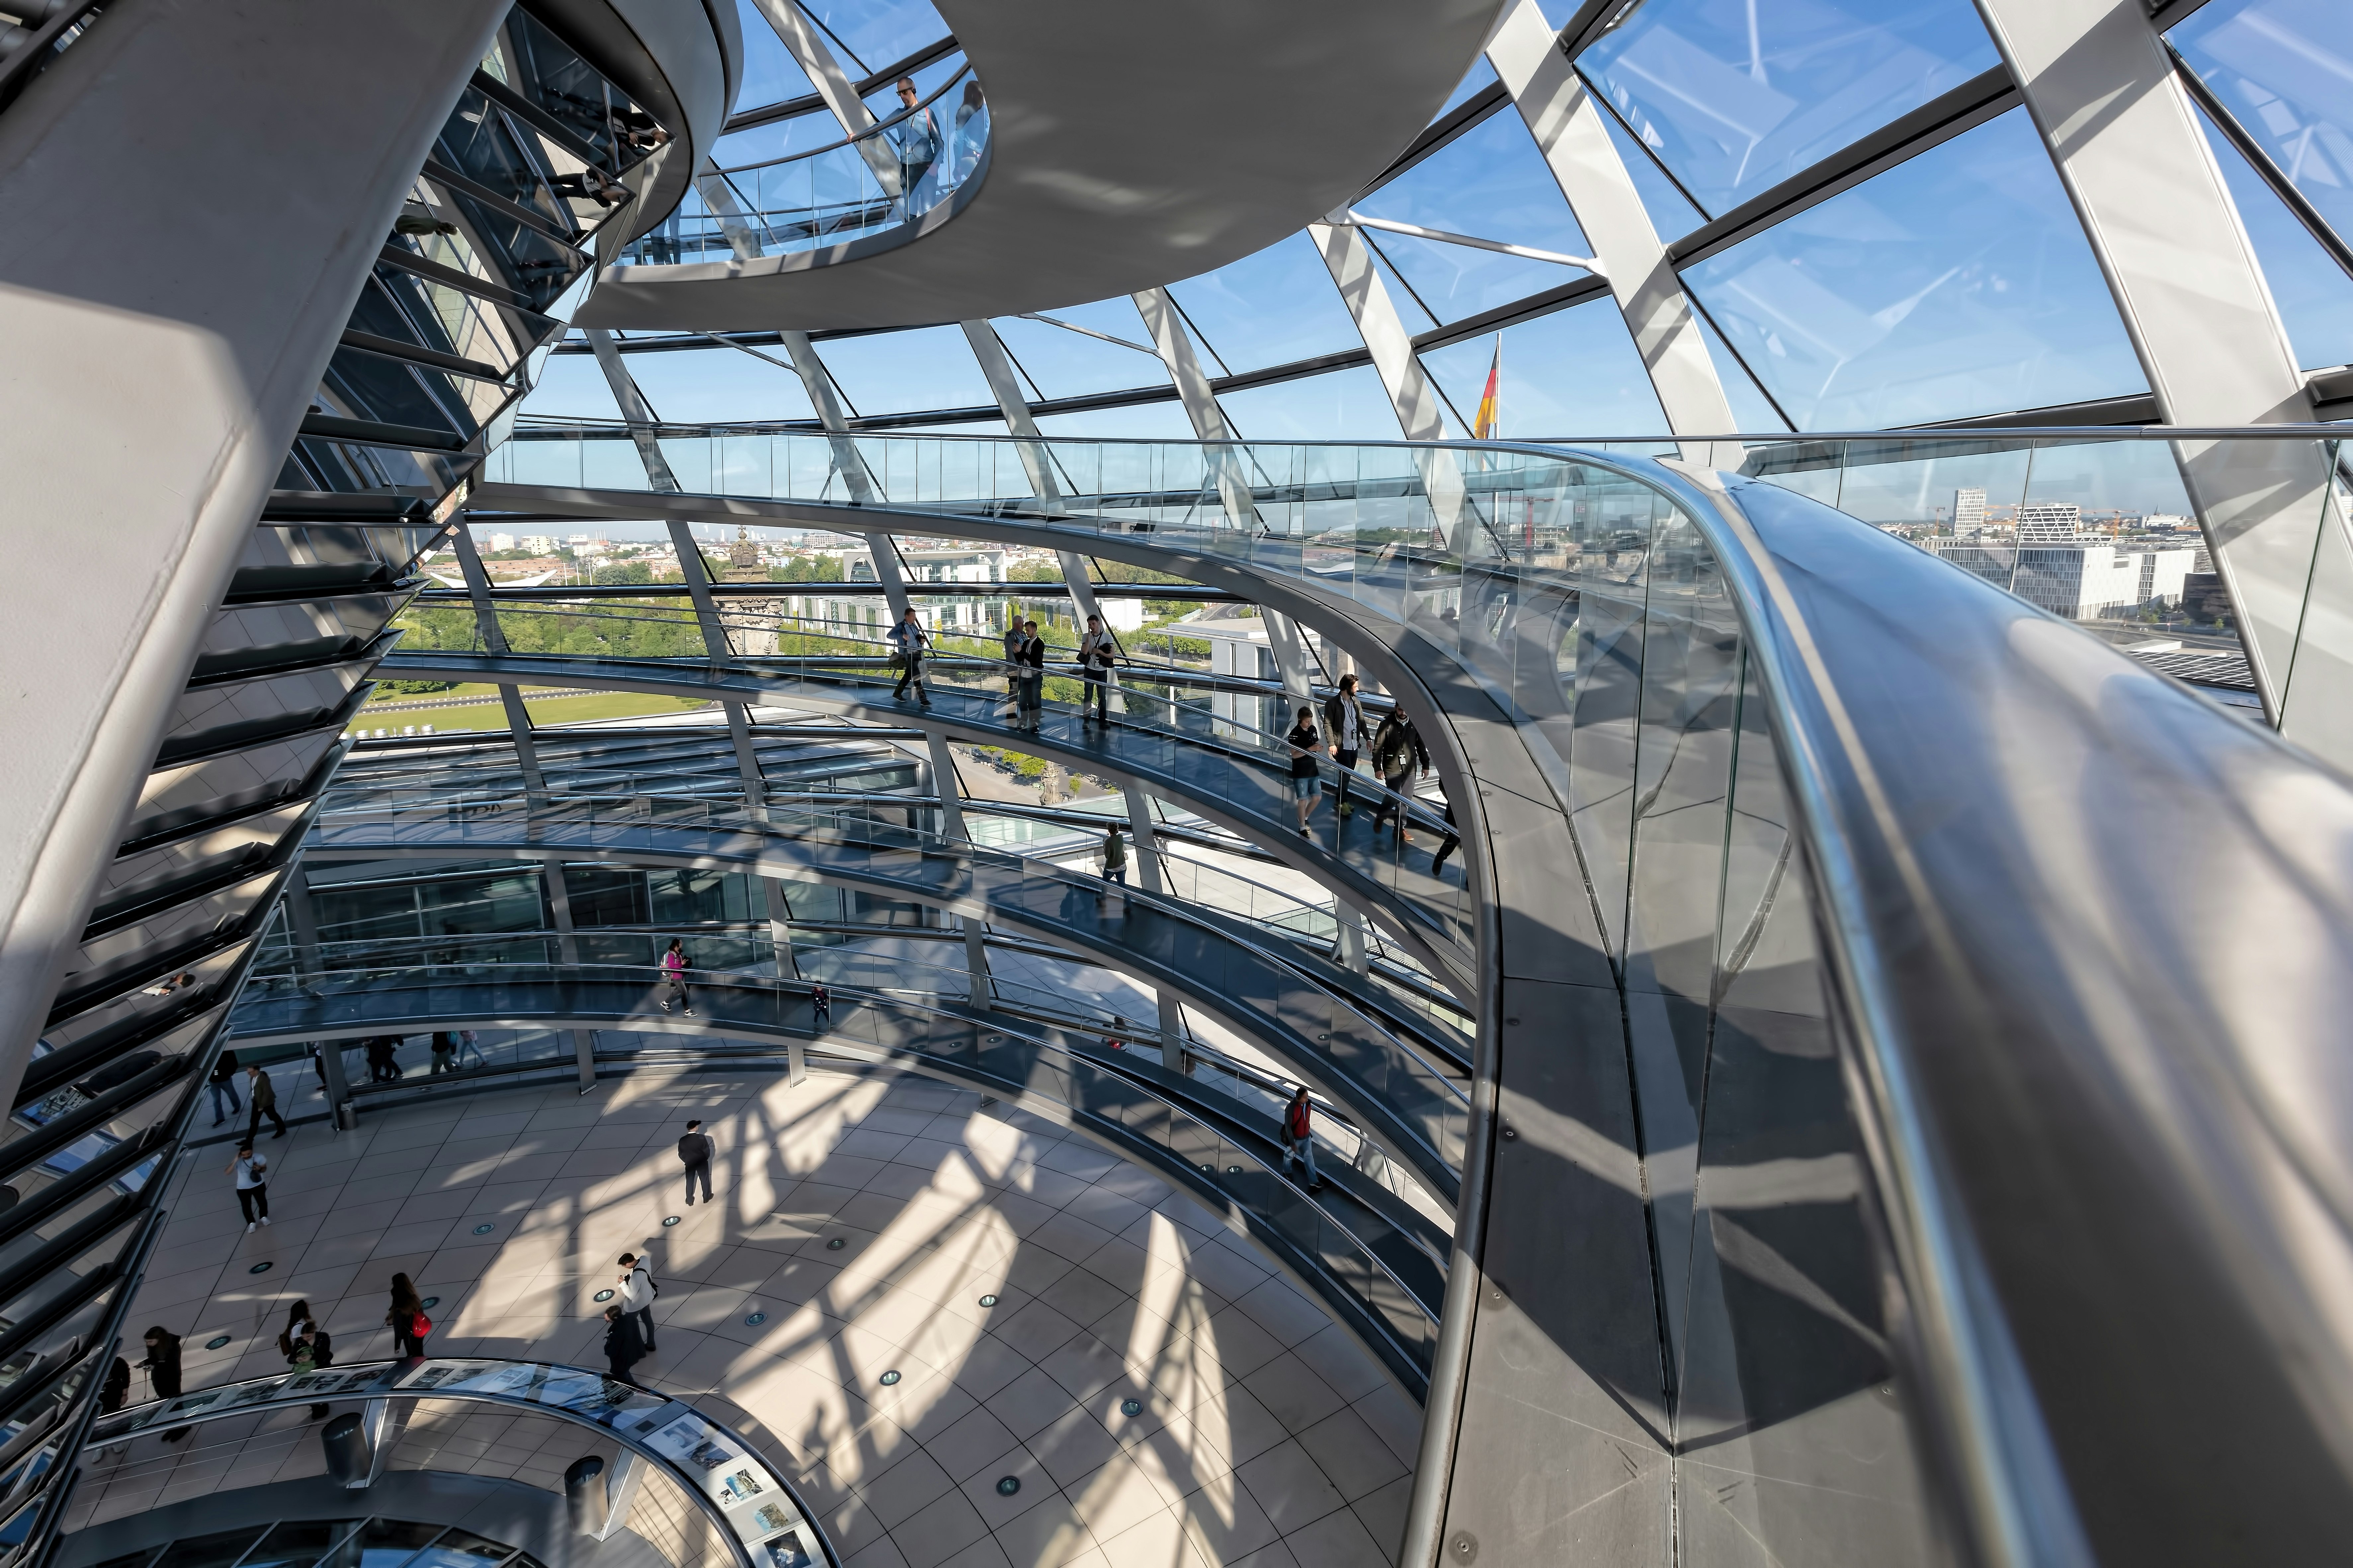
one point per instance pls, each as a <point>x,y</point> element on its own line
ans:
<point>1969,511</point>
<point>2079,580</point>
<point>743,565</point>
<point>2049,523</point>
<point>503,542</point>
<point>539,545</point>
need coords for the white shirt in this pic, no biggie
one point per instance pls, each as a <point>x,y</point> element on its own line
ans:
<point>248,1177</point>
<point>637,1291</point>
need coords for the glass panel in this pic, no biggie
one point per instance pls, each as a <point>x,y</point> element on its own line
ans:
<point>894,373</point>
<point>1490,181</point>
<point>215,1550</point>
<point>771,75</point>
<point>1336,405</point>
<point>297,1544</point>
<point>1573,374</point>
<point>1059,363</point>
<point>1736,96</point>
<point>1955,284</point>
<point>1793,1430</point>
<point>875,33</point>
<point>1267,309</point>
<point>2282,67</point>
<point>1671,213</point>
<point>2313,294</point>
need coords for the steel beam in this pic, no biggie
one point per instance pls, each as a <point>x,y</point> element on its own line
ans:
<point>2123,134</point>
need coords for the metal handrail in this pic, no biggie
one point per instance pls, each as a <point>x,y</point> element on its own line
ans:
<point>655,1429</point>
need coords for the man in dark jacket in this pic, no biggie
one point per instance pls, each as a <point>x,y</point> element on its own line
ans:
<point>265,1103</point>
<point>224,1085</point>
<point>623,1348</point>
<point>694,1153</point>
<point>161,1365</point>
<point>1397,751</point>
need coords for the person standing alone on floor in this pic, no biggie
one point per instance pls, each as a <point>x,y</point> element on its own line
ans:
<point>252,1172</point>
<point>694,1153</point>
<point>637,1293</point>
<point>265,1103</point>
<point>406,1320</point>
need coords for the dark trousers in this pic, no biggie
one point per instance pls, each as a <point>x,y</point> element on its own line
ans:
<point>913,673</point>
<point>1345,756</point>
<point>254,1125</point>
<point>1117,874</point>
<point>1095,696</point>
<point>1451,843</point>
<point>645,1315</point>
<point>254,1202</point>
<point>1387,808</point>
<point>410,1344</point>
<point>618,1370</point>
<point>235,1105</point>
<point>700,1168</point>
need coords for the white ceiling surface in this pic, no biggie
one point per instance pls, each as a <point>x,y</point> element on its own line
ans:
<point>1132,145</point>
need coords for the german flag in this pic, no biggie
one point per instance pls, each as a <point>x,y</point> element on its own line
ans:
<point>1482,427</point>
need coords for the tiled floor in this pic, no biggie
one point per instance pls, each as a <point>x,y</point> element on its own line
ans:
<point>1268,1436</point>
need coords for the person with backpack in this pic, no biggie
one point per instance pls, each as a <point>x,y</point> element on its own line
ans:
<point>673,969</point>
<point>445,1052</point>
<point>637,1293</point>
<point>1345,728</point>
<point>1298,1143</point>
<point>820,1005</point>
<point>1397,750</point>
<point>908,640</point>
<point>1098,650</point>
<point>695,1152</point>
<point>1114,855</point>
<point>252,1174</point>
<point>223,1084</point>
<point>406,1320</point>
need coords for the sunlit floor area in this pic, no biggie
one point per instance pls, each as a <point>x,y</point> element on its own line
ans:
<point>859,1220</point>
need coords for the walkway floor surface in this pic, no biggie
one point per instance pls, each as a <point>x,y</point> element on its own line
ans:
<point>1267,1434</point>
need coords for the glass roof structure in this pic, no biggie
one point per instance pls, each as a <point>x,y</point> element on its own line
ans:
<point>1680,739</point>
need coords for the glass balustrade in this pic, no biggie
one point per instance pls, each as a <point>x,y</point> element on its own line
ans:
<point>884,178</point>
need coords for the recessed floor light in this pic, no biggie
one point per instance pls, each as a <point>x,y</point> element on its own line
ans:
<point>1008,1485</point>
<point>215,1341</point>
<point>669,1220</point>
<point>602,1296</point>
<point>484,1229</point>
<point>754,1319</point>
<point>835,1244</point>
<point>889,1379</point>
<point>1131,1408</point>
<point>430,1301</point>
<point>264,1266</point>
<point>988,1300</point>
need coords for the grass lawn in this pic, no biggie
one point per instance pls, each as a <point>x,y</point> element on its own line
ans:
<point>545,711</point>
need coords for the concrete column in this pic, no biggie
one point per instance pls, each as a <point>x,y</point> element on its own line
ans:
<point>982,992</point>
<point>806,43</point>
<point>848,462</point>
<point>1571,134</point>
<point>166,467</point>
<point>1413,396</point>
<point>1148,869</point>
<point>2124,136</point>
<point>1167,330</point>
